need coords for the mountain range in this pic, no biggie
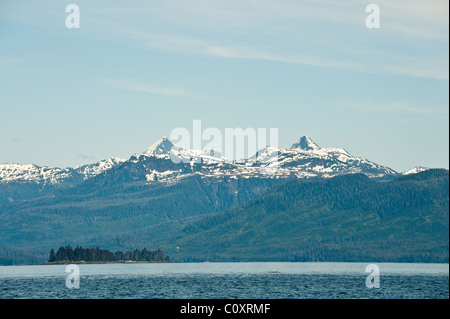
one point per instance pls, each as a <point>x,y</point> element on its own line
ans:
<point>305,159</point>
<point>150,200</point>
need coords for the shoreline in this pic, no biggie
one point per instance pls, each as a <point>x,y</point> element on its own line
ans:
<point>102,262</point>
<point>198,262</point>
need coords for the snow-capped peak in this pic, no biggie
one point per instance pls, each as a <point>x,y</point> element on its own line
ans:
<point>266,152</point>
<point>415,170</point>
<point>91,170</point>
<point>305,144</point>
<point>164,148</point>
<point>305,159</point>
<point>54,175</point>
<point>161,147</point>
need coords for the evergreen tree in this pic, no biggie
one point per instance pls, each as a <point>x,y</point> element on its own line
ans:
<point>52,256</point>
<point>96,254</point>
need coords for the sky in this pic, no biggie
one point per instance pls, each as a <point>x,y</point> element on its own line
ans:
<point>136,70</point>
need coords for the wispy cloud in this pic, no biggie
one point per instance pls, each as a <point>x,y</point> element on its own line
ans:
<point>255,54</point>
<point>426,19</point>
<point>139,86</point>
<point>423,68</point>
<point>361,60</point>
<point>135,85</point>
<point>199,46</point>
<point>311,32</point>
<point>416,67</point>
<point>400,106</point>
<point>417,19</point>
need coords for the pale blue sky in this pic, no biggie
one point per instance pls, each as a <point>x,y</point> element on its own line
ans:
<point>135,70</point>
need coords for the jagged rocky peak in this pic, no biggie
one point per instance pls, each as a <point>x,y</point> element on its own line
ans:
<point>161,147</point>
<point>305,144</point>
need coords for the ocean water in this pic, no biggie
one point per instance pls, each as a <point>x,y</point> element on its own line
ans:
<point>226,281</point>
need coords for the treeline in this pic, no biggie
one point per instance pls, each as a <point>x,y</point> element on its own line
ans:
<point>353,191</point>
<point>346,218</point>
<point>70,254</point>
<point>19,256</point>
<point>357,191</point>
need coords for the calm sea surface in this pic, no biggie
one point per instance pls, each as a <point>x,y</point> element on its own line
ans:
<point>226,280</point>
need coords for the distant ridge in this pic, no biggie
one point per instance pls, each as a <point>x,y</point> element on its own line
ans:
<point>305,159</point>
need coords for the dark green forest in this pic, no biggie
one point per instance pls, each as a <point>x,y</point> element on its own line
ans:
<point>115,216</point>
<point>70,254</point>
<point>345,218</point>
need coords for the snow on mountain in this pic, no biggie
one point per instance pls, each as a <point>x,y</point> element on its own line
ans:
<point>164,148</point>
<point>165,161</point>
<point>54,175</point>
<point>305,159</point>
<point>95,169</point>
<point>32,173</point>
<point>161,147</point>
<point>415,170</point>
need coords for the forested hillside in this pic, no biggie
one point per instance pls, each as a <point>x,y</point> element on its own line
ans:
<point>349,218</point>
<point>344,218</point>
<point>117,216</point>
